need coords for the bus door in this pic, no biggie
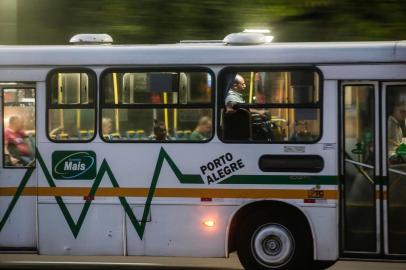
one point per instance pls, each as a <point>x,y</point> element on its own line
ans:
<point>394,167</point>
<point>18,183</point>
<point>360,170</point>
<point>373,169</point>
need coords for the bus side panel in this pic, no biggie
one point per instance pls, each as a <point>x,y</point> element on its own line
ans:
<point>324,224</point>
<point>100,234</point>
<point>18,223</point>
<point>19,230</point>
<point>179,230</point>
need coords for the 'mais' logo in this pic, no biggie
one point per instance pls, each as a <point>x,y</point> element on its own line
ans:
<point>74,165</point>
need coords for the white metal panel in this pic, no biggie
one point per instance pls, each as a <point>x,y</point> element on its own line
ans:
<point>133,165</point>
<point>400,51</point>
<point>324,223</point>
<point>364,72</point>
<point>23,74</point>
<point>330,114</point>
<point>277,53</point>
<point>100,234</point>
<point>41,112</point>
<point>178,230</point>
<point>20,229</point>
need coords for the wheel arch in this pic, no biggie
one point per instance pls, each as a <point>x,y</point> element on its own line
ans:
<point>265,206</point>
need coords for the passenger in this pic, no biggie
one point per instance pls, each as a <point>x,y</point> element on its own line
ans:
<point>15,144</point>
<point>234,95</point>
<point>260,124</point>
<point>395,123</point>
<point>203,129</point>
<point>301,134</point>
<point>107,125</point>
<point>160,132</point>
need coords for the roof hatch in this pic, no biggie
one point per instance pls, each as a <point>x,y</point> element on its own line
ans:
<point>91,39</point>
<point>249,37</point>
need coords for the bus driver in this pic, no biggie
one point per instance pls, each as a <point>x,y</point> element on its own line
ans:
<point>234,95</point>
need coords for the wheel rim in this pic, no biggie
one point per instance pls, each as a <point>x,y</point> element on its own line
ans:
<point>272,245</point>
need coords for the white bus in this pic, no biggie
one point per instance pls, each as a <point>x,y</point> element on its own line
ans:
<point>136,150</point>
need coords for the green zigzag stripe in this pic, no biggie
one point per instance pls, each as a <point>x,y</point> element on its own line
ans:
<point>16,196</point>
<point>139,226</point>
<point>281,180</point>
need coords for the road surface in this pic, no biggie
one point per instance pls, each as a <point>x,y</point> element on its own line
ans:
<point>32,261</point>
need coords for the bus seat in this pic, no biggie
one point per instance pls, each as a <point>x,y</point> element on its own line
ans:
<point>187,134</point>
<point>62,136</point>
<point>237,125</point>
<point>116,135</point>
<point>180,134</point>
<point>140,134</point>
<point>83,134</point>
<point>130,134</point>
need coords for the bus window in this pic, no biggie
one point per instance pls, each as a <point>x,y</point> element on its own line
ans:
<point>156,106</point>
<point>71,106</point>
<point>281,106</point>
<point>19,127</point>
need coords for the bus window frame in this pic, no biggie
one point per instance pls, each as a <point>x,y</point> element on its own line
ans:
<point>3,126</point>
<point>90,72</point>
<point>146,69</point>
<point>267,68</point>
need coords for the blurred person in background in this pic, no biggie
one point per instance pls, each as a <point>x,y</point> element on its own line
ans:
<point>16,143</point>
<point>203,129</point>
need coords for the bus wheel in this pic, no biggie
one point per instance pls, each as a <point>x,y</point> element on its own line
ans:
<point>273,243</point>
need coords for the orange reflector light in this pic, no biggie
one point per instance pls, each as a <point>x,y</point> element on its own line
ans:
<point>309,201</point>
<point>209,223</point>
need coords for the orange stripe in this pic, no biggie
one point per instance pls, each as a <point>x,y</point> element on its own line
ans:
<point>169,192</point>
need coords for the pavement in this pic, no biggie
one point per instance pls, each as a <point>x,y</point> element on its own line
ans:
<point>33,261</point>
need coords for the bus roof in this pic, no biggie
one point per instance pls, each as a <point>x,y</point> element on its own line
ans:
<point>205,54</point>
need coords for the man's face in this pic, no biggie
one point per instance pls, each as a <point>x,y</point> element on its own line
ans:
<point>207,127</point>
<point>239,86</point>
<point>399,113</point>
<point>18,124</point>
<point>161,133</point>
<point>107,128</point>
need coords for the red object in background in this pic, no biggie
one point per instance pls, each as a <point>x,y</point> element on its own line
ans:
<point>156,98</point>
<point>10,96</point>
<point>309,200</point>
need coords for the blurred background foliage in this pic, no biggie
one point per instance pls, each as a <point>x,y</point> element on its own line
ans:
<point>169,21</point>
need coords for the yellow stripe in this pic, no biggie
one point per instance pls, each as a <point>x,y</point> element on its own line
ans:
<point>169,192</point>
<point>166,112</point>
<point>251,88</point>
<point>116,115</point>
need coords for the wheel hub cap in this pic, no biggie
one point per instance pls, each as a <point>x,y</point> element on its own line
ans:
<point>273,245</point>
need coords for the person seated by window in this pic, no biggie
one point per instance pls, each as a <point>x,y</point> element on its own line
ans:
<point>235,93</point>
<point>301,134</point>
<point>107,126</point>
<point>160,132</point>
<point>260,124</point>
<point>203,129</point>
<point>396,121</point>
<point>235,96</point>
<point>15,142</point>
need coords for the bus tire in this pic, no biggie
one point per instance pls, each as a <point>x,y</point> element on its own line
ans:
<point>265,243</point>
